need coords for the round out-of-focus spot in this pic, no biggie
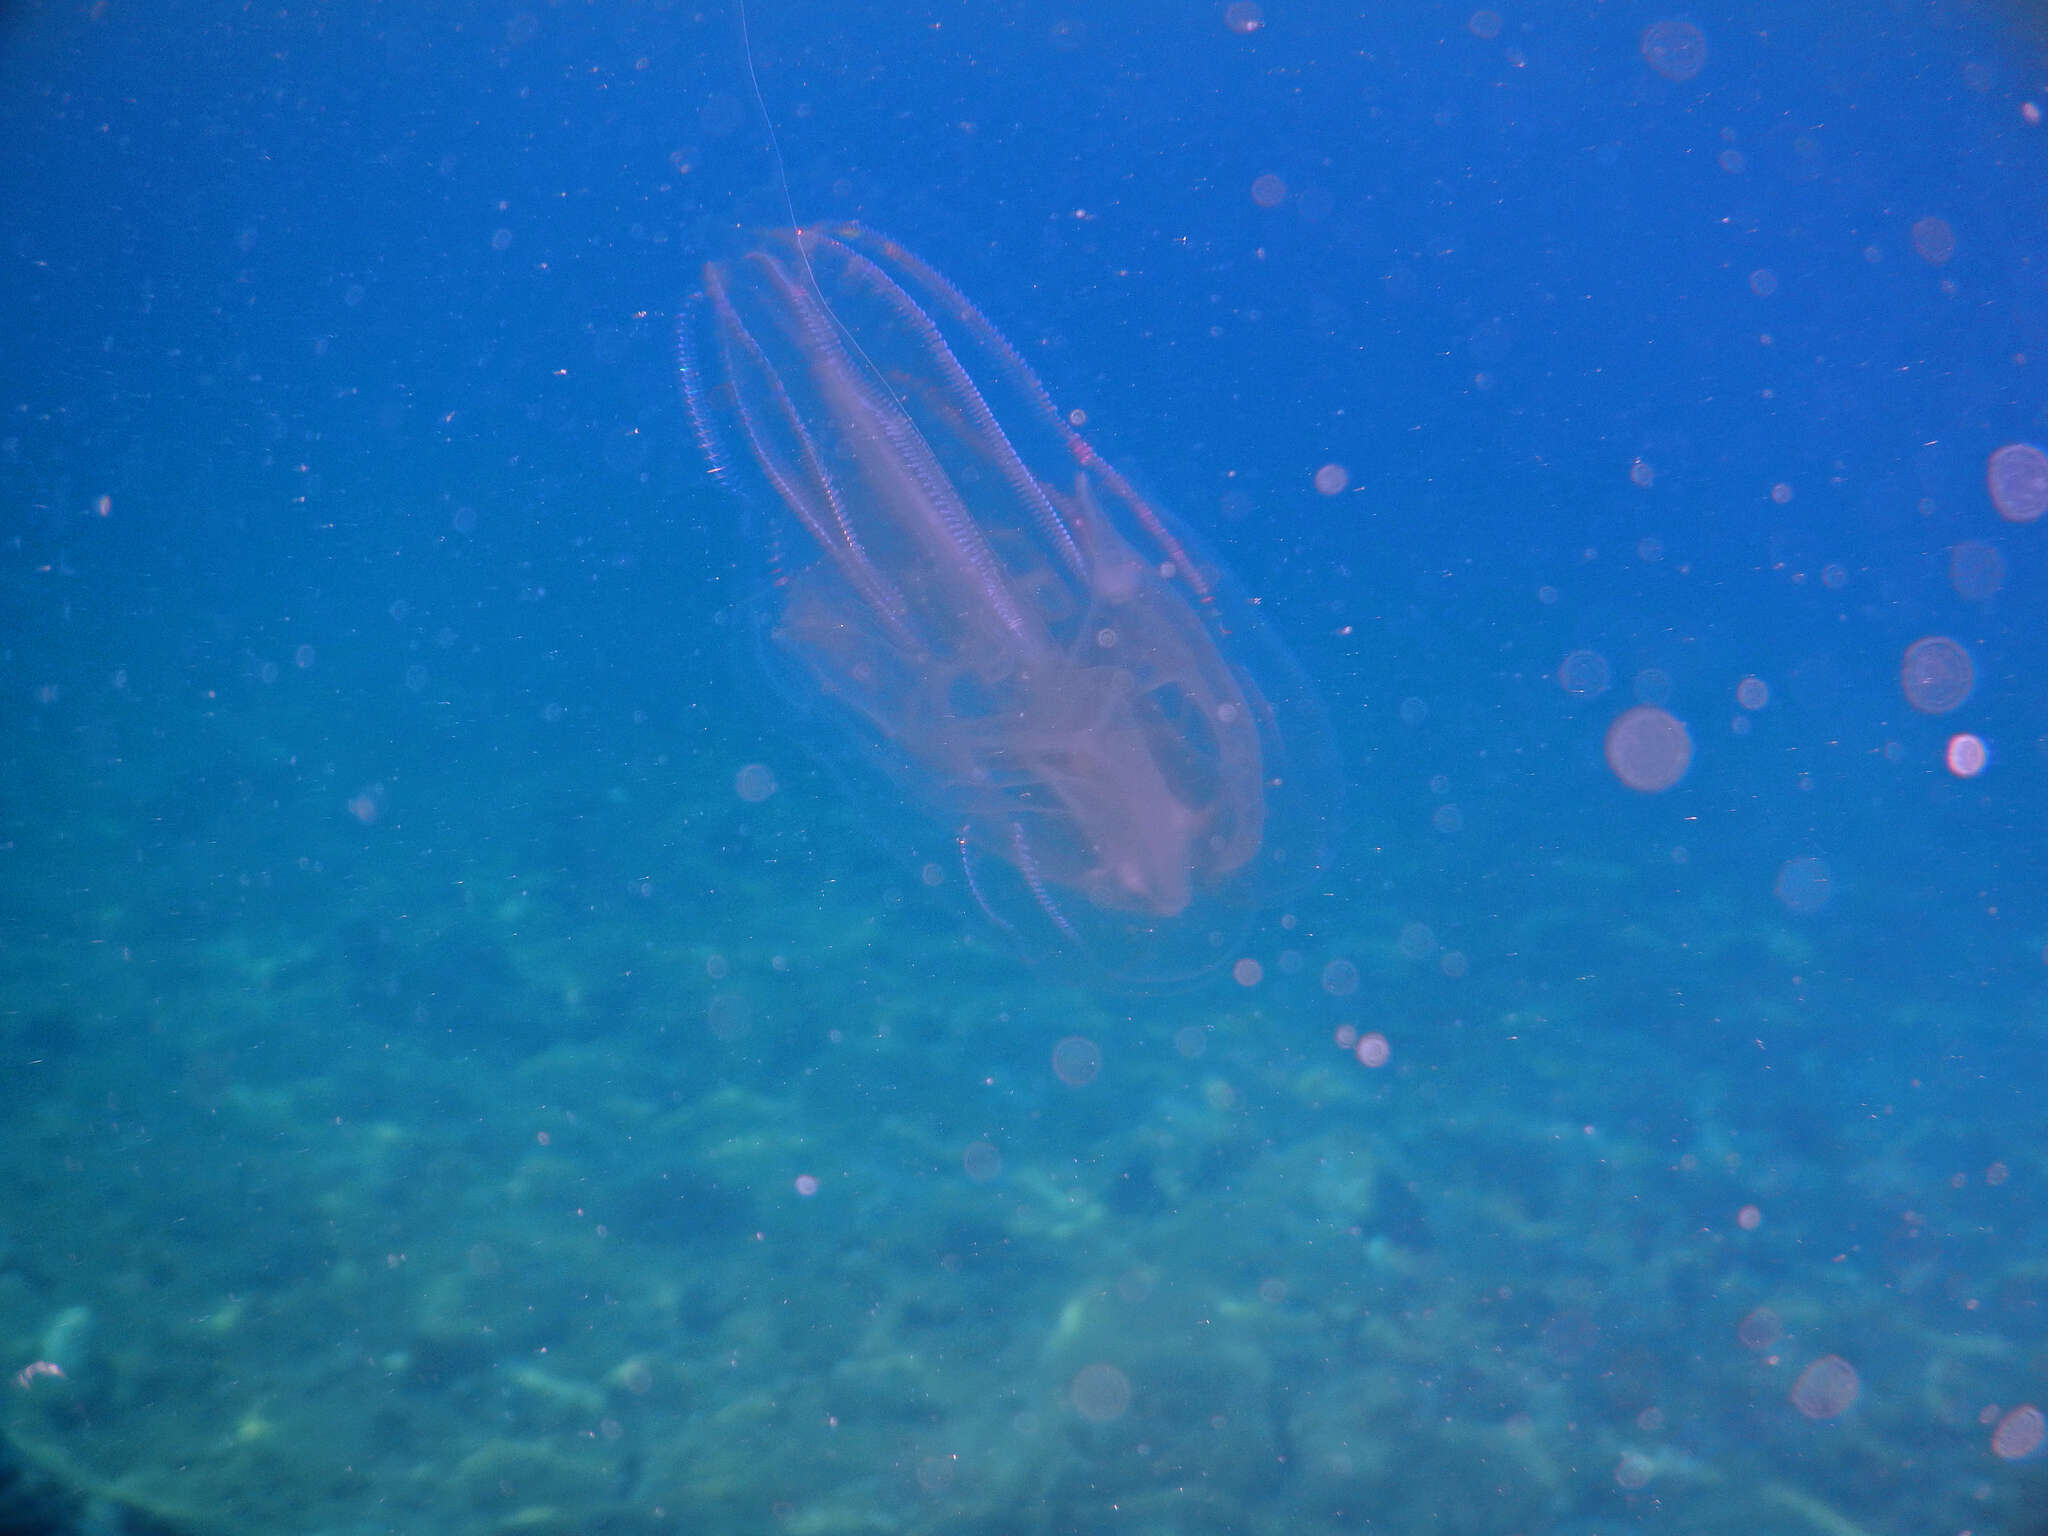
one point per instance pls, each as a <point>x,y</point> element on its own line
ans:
<point>1642,473</point>
<point>1966,756</point>
<point>1076,1060</point>
<point>1331,479</point>
<point>1781,493</point>
<point>1190,1040</point>
<point>1752,693</point>
<point>1763,282</point>
<point>2017,477</point>
<point>1100,1393</point>
<point>1346,1036</point>
<point>1269,191</point>
<point>1833,576</point>
<point>1677,50</point>
<point>1247,972</point>
<point>1826,1388</point>
<point>1936,675</point>
<point>1243,17</point>
<point>1648,749</point>
<point>1340,978</point>
<point>806,1185</point>
<point>2019,1434</point>
<point>1414,711</point>
<point>754,783</point>
<point>980,1161</point>
<point>1417,941</point>
<point>1759,1329</point>
<point>1804,885</point>
<point>1447,819</point>
<point>1733,161</point>
<point>1634,1469</point>
<point>1484,24</point>
<point>1372,1049</point>
<point>1976,570</point>
<point>1749,1218</point>
<point>1933,240</point>
<point>1653,686</point>
<point>1583,674</point>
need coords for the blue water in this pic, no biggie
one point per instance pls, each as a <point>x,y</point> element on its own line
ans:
<point>470,1065</point>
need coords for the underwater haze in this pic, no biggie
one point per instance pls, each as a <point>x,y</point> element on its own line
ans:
<point>1419,904</point>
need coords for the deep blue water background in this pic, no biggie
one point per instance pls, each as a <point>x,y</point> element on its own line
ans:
<point>342,466</point>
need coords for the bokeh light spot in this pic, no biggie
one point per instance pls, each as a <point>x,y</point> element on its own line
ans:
<point>980,1161</point>
<point>1648,749</point>
<point>2019,1434</point>
<point>1076,1060</point>
<point>1933,240</point>
<point>1804,885</point>
<point>1936,675</point>
<point>1331,479</point>
<point>1752,693</point>
<point>1677,50</point>
<point>1967,756</point>
<point>1759,1329</point>
<point>1583,674</point>
<point>1826,1388</point>
<point>2017,477</point>
<point>1100,1393</point>
<point>1372,1049</point>
<point>1340,978</point>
